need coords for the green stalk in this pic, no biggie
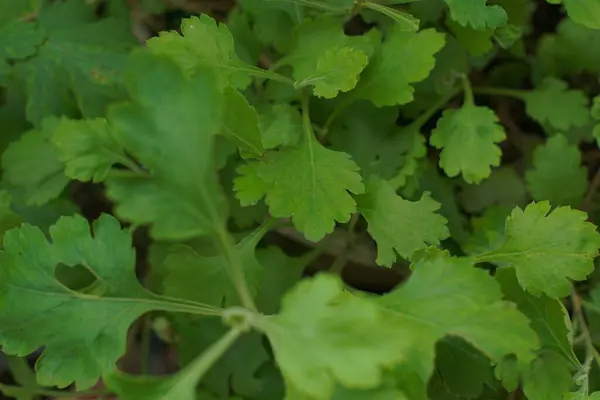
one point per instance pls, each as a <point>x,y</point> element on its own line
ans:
<point>514,93</point>
<point>235,268</point>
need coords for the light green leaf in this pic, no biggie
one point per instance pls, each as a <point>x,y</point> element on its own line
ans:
<point>561,184</point>
<point>35,306</point>
<point>281,125</point>
<point>548,377</point>
<point>410,55</point>
<point>554,104</point>
<point>31,164</point>
<point>468,138</point>
<point>584,12</point>
<point>89,148</point>
<point>325,57</point>
<point>448,296</point>
<point>337,70</point>
<point>477,42</point>
<point>241,124</point>
<point>310,184</point>
<point>398,225</point>
<point>309,350</point>
<point>477,13</point>
<point>547,248</point>
<point>203,42</point>
<point>169,129</point>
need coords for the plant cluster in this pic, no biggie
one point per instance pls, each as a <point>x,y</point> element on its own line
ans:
<point>263,149</point>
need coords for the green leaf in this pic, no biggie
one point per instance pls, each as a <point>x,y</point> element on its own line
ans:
<point>309,349</point>
<point>477,13</point>
<point>398,225</point>
<point>185,269</point>
<point>31,164</point>
<point>79,64</point>
<point>547,248</point>
<point>504,187</point>
<point>477,42</point>
<point>549,317</point>
<point>584,12</point>
<point>281,273</point>
<point>169,129</point>
<point>8,218</point>
<point>89,148</point>
<point>19,40</point>
<point>281,125</point>
<point>369,134</point>
<point>323,56</point>
<point>463,369</point>
<point>548,377</point>
<point>554,104</point>
<point>561,184</point>
<point>468,138</point>
<point>203,43</point>
<point>241,124</point>
<point>410,55</point>
<point>310,184</point>
<point>448,296</point>
<point>337,70</point>
<point>35,306</point>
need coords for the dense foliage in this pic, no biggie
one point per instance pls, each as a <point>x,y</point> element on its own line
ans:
<point>303,199</point>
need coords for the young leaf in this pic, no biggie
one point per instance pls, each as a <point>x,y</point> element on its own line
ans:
<point>89,148</point>
<point>477,13</point>
<point>325,57</point>
<point>448,296</point>
<point>241,124</point>
<point>203,42</point>
<point>547,248</point>
<point>468,138</point>
<point>41,178</point>
<point>309,349</point>
<point>281,125</point>
<point>560,184</point>
<point>398,225</point>
<point>410,55</point>
<point>553,103</point>
<point>310,184</point>
<point>35,306</point>
<point>169,129</point>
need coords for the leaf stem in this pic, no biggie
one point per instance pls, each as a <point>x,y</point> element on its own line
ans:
<point>235,268</point>
<point>340,262</point>
<point>24,391</point>
<point>467,89</point>
<point>590,350</point>
<point>422,119</point>
<point>333,116</point>
<point>407,22</point>
<point>198,368</point>
<point>267,74</point>
<point>515,93</point>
